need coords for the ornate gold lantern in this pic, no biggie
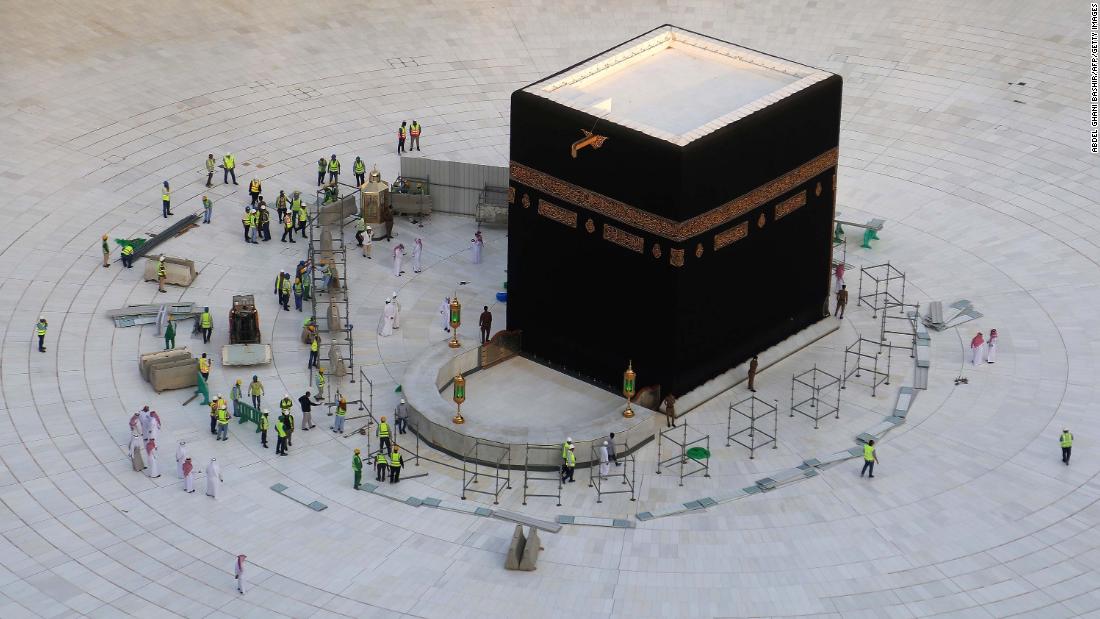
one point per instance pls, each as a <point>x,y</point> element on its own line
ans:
<point>628,388</point>
<point>375,198</point>
<point>456,320</point>
<point>459,397</point>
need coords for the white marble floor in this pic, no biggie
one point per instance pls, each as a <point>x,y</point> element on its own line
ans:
<point>965,127</point>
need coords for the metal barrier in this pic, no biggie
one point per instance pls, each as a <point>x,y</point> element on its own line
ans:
<point>529,477</point>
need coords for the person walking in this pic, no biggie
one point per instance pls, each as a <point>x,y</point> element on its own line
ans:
<point>288,227</point>
<point>1066,441</point>
<point>570,465</point>
<point>280,437</point>
<point>360,230</point>
<point>357,470</point>
<point>401,138</point>
<point>753,364</point>
<point>322,167</point>
<point>207,209</point>
<point>265,221</point>
<point>296,287</point>
<point>870,458</point>
<point>40,329</point>
<point>381,465</point>
<point>281,204</point>
<point>368,234</point>
<point>360,170</point>
<point>314,350</point>
<point>229,165</point>
<point>401,416</point>
<point>670,410</point>
<point>214,414</point>
<point>210,165</point>
<point>838,274</point>
<point>162,274</point>
<point>604,460</point>
<point>213,478</point>
<point>341,416</point>
<point>188,476</point>
<point>611,449</point>
<point>841,301</point>
<point>170,334</point>
<point>128,256</point>
<point>206,323</point>
<point>223,423</point>
<point>204,367</point>
<point>246,221</point>
<point>166,200</point>
<point>265,423</point>
<point>418,252</point>
<point>303,219</point>
<point>414,135</point>
<point>254,189</point>
<point>256,390</point>
<point>306,402</point>
<point>383,433</point>
<point>486,323</point>
<point>106,253</point>
<point>333,170</point>
<point>238,573</point>
<point>282,288</point>
<point>395,465</point>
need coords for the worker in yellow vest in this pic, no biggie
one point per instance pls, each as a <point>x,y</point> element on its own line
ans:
<point>333,169</point>
<point>206,323</point>
<point>1066,441</point>
<point>383,432</point>
<point>256,390</point>
<point>570,465</point>
<point>229,164</point>
<point>284,295</point>
<point>303,219</point>
<point>236,395</point>
<point>204,367</point>
<point>296,287</point>
<point>395,466</point>
<point>128,256</point>
<point>322,166</point>
<point>280,442</point>
<point>223,423</point>
<point>162,274</point>
<point>166,200</point>
<point>253,225</point>
<point>254,188</point>
<point>314,349</point>
<point>414,133</point>
<point>214,413</point>
<point>288,226</point>
<point>320,384</point>
<point>870,458</point>
<point>401,138</point>
<point>264,425</point>
<point>360,170</point>
<point>381,464</point>
<point>340,417</point>
<point>210,165</point>
<point>40,331</point>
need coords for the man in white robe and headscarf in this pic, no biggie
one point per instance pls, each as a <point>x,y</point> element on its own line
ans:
<point>188,476</point>
<point>154,426</point>
<point>476,244</point>
<point>181,456</point>
<point>213,478</point>
<point>977,347</point>
<point>396,312</point>
<point>146,422</point>
<point>385,321</point>
<point>151,458</point>
<point>603,460</point>
<point>991,347</point>
<point>418,249</point>
<point>445,314</point>
<point>398,254</point>
<point>238,572</point>
<point>137,445</point>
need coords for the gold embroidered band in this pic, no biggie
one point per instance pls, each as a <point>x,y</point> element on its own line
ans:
<point>557,213</point>
<point>624,238</point>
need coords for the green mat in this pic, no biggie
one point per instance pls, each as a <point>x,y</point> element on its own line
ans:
<point>698,453</point>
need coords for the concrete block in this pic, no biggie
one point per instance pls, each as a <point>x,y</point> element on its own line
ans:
<point>176,374</point>
<point>146,360</point>
<point>178,271</point>
<point>515,549</point>
<point>530,557</point>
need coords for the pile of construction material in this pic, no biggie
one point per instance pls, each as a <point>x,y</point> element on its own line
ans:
<point>152,314</point>
<point>177,271</point>
<point>170,369</point>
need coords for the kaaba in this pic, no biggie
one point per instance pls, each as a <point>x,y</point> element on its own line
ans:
<point>671,206</point>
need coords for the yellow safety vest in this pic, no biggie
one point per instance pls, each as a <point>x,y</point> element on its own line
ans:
<point>285,404</point>
<point>206,321</point>
<point>360,167</point>
<point>321,165</point>
<point>263,423</point>
<point>341,411</point>
<point>166,195</point>
<point>381,459</point>
<point>868,453</point>
<point>254,187</point>
<point>229,161</point>
<point>256,388</point>
<point>280,429</point>
<point>395,460</point>
<point>127,250</point>
<point>160,269</point>
<point>204,365</point>
<point>383,430</point>
<point>570,459</point>
<point>223,417</point>
<point>1067,439</point>
<point>320,381</point>
<point>334,166</point>
<point>41,328</point>
<point>313,345</point>
<point>415,130</point>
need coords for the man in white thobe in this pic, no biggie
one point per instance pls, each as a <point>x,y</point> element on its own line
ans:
<point>188,476</point>
<point>418,248</point>
<point>213,478</point>
<point>445,315</point>
<point>137,446</point>
<point>181,456</point>
<point>398,254</point>
<point>396,312</point>
<point>151,458</point>
<point>476,244</point>
<point>146,422</point>
<point>977,346</point>
<point>991,347</point>
<point>238,572</point>
<point>603,460</point>
<point>385,321</point>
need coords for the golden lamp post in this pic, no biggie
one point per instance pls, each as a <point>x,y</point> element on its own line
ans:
<point>628,388</point>
<point>456,320</point>
<point>459,397</point>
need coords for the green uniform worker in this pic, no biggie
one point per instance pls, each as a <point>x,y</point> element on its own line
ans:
<point>170,335</point>
<point>381,463</point>
<point>106,253</point>
<point>357,467</point>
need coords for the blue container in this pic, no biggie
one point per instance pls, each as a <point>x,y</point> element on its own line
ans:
<point>502,297</point>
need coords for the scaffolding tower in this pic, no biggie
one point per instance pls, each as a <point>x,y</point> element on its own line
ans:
<point>816,407</point>
<point>755,410</point>
<point>695,448</point>
<point>863,355</point>
<point>501,458</point>
<point>530,476</point>
<point>627,467</point>
<point>885,278</point>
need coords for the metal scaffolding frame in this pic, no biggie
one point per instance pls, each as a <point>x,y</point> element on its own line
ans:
<point>856,351</point>
<point>888,326</point>
<point>365,406</point>
<point>815,407</point>
<point>681,456</point>
<point>882,275</point>
<point>628,468</point>
<point>754,418</point>
<point>332,314</point>
<point>529,476</point>
<point>471,470</point>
